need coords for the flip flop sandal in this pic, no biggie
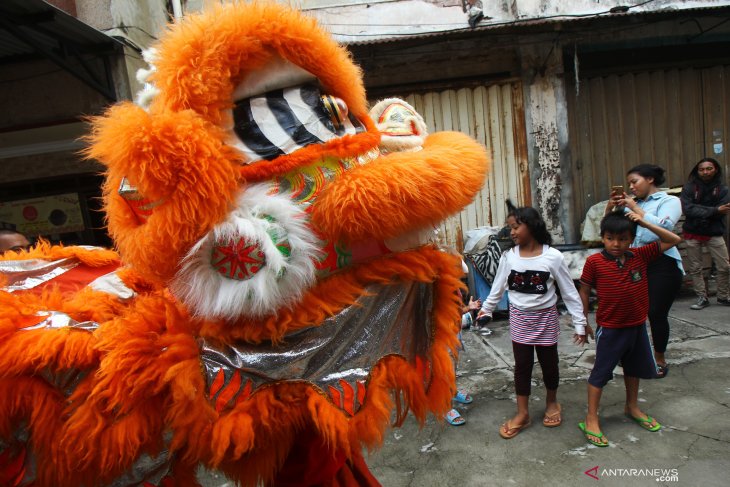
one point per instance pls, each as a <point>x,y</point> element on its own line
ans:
<point>463,397</point>
<point>662,371</point>
<point>515,430</point>
<point>646,423</point>
<point>586,433</point>
<point>454,418</point>
<point>554,419</point>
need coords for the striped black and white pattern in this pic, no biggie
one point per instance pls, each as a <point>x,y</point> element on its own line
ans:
<point>488,261</point>
<point>282,121</point>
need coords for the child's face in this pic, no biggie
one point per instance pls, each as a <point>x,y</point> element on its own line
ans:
<point>617,244</point>
<point>519,232</point>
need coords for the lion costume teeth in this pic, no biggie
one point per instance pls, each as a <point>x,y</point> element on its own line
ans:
<point>268,299</point>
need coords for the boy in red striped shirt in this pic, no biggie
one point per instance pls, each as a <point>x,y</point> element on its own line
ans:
<point>618,274</point>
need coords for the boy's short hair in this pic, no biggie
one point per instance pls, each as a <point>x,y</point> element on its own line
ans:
<point>617,223</point>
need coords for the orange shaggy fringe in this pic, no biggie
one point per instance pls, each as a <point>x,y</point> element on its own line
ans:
<point>259,431</point>
<point>203,59</point>
<point>176,159</point>
<point>97,257</point>
<point>144,377</point>
<point>333,294</point>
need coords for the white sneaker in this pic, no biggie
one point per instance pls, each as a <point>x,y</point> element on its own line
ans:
<point>702,303</point>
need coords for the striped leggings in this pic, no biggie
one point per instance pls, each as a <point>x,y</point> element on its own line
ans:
<point>547,355</point>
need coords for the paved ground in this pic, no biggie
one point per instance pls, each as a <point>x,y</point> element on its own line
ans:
<point>691,403</point>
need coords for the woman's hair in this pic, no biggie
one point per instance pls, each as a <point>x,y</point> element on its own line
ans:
<point>649,171</point>
<point>617,223</point>
<point>718,170</point>
<point>530,217</point>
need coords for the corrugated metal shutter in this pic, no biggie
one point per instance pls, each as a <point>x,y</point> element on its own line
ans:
<point>494,116</point>
<point>669,117</point>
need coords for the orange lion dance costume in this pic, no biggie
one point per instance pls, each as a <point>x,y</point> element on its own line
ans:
<point>267,308</point>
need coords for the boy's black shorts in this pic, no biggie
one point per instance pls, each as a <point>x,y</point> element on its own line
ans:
<point>630,346</point>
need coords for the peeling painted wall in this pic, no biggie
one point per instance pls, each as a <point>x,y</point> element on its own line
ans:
<point>361,20</point>
<point>547,136</point>
<point>548,181</point>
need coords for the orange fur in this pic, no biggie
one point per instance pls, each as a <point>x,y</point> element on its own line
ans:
<point>333,294</point>
<point>177,159</point>
<point>31,401</point>
<point>404,190</point>
<point>43,250</point>
<point>205,57</point>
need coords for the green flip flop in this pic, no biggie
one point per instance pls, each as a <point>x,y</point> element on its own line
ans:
<point>586,433</point>
<point>645,423</point>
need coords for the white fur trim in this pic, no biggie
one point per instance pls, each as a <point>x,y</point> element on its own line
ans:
<point>281,281</point>
<point>112,284</point>
<point>149,91</point>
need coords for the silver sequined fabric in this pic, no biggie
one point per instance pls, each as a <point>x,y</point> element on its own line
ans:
<point>23,275</point>
<point>387,320</point>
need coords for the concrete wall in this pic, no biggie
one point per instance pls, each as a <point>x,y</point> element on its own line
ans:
<point>138,21</point>
<point>546,122</point>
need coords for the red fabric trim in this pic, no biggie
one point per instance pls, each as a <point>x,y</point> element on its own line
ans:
<point>77,278</point>
<point>354,473</point>
<point>310,462</point>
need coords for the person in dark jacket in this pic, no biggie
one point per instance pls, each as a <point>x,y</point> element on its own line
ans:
<point>705,202</point>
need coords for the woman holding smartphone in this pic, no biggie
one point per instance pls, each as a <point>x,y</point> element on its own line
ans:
<point>665,273</point>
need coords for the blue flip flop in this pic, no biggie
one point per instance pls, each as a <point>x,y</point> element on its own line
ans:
<point>463,397</point>
<point>454,418</point>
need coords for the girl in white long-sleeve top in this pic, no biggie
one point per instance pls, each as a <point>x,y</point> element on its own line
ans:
<point>530,272</point>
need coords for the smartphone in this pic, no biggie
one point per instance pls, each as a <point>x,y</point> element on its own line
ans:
<point>617,189</point>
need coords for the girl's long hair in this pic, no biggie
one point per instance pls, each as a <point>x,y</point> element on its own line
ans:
<point>531,217</point>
